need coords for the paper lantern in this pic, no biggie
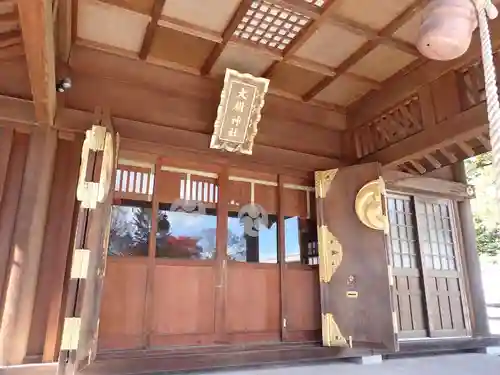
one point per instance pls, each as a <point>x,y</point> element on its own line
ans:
<point>446,29</point>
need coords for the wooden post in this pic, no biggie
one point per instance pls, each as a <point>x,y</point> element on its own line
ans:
<point>221,255</point>
<point>27,247</point>
<point>282,255</point>
<point>472,266</point>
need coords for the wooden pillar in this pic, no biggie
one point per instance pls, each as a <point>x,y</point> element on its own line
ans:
<point>479,316</point>
<point>27,243</point>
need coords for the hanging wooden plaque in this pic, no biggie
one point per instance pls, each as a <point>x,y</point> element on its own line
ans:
<point>239,112</point>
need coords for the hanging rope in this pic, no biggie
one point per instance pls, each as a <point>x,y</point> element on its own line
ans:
<point>485,10</point>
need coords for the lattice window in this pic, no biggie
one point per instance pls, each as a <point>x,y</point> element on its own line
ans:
<point>318,3</point>
<point>402,233</point>
<point>196,188</point>
<point>436,235</point>
<point>134,182</point>
<point>270,25</point>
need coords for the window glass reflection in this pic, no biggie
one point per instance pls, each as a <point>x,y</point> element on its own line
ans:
<point>256,243</point>
<point>130,229</point>
<point>301,241</point>
<point>186,235</point>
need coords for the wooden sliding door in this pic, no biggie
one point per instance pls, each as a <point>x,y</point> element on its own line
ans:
<point>184,272</point>
<point>429,290</point>
<point>252,283</point>
<point>443,280</point>
<point>301,293</point>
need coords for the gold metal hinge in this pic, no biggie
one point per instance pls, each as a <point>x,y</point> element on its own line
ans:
<point>80,264</point>
<point>71,333</point>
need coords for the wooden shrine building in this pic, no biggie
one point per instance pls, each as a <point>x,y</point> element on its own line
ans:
<point>364,242</point>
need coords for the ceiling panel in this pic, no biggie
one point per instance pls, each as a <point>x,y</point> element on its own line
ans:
<point>409,31</point>
<point>330,45</point>
<point>111,25</point>
<point>293,79</point>
<point>381,63</point>
<point>174,46</point>
<point>210,14</point>
<point>375,14</point>
<point>343,91</point>
<point>243,59</point>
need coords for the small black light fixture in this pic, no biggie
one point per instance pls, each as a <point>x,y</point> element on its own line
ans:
<point>63,84</point>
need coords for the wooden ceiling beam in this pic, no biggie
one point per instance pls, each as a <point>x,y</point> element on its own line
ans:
<point>314,13</point>
<point>37,25</point>
<point>66,17</point>
<point>226,36</point>
<point>303,37</point>
<point>367,47</point>
<point>187,28</point>
<point>151,29</point>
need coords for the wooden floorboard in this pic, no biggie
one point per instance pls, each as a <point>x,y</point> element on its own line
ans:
<point>177,360</point>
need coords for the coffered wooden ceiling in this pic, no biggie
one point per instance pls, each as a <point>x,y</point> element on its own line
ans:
<point>10,34</point>
<point>326,52</point>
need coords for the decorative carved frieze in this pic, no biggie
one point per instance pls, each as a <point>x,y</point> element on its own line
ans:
<point>391,127</point>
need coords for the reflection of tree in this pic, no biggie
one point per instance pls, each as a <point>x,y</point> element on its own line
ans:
<point>119,235</point>
<point>236,246</point>
<point>129,235</point>
<point>170,246</point>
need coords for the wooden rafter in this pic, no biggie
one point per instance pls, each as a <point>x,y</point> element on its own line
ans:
<point>449,155</point>
<point>468,150</point>
<point>226,36</point>
<point>367,47</point>
<point>37,27</point>
<point>484,141</point>
<point>431,159</point>
<point>151,29</point>
<point>419,167</point>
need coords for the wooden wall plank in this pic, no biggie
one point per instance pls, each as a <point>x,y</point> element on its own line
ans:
<point>445,96</point>
<point>8,209</point>
<point>27,249</point>
<point>167,141</point>
<point>6,138</point>
<point>168,85</point>
<point>57,242</point>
